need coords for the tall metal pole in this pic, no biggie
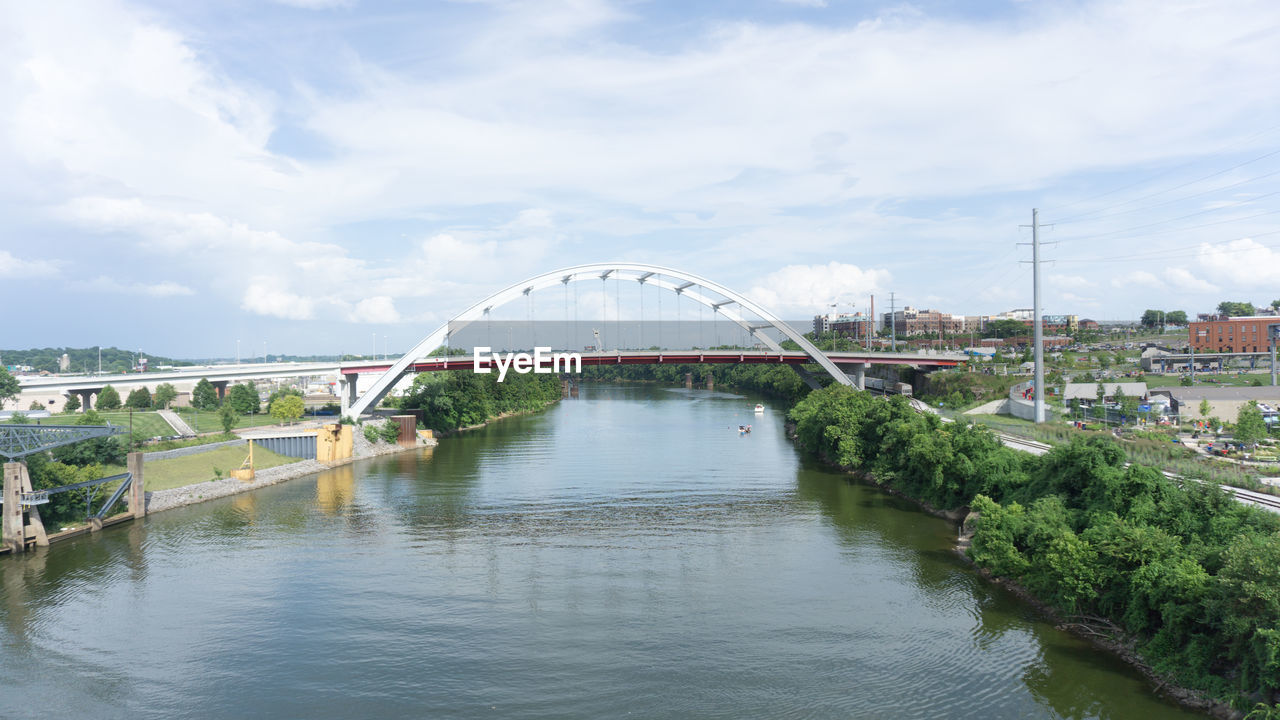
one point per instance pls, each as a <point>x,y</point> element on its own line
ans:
<point>1039,330</point>
<point>893,325</point>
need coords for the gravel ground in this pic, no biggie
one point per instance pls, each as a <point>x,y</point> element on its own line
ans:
<point>190,494</point>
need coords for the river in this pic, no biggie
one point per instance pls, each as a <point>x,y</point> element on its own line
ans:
<point>625,553</point>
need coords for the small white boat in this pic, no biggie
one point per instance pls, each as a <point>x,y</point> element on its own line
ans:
<point>759,408</point>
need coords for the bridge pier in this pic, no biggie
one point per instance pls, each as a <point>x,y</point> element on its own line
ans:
<point>137,492</point>
<point>688,381</point>
<point>347,390</point>
<point>221,387</point>
<point>13,529</point>
<point>859,375</point>
<point>711,381</point>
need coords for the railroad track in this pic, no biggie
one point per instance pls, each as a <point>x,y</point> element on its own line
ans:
<point>1251,497</point>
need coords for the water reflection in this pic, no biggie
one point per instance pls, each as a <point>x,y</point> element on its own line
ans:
<point>628,550</point>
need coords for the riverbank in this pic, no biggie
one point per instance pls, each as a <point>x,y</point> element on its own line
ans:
<point>1171,579</point>
<point>161,500</point>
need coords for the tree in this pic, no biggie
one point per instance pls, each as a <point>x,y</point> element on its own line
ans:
<point>1176,317</point>
<point>139,399</point>
<point>244,398</point>
<point>9,387</point>
<point>203,396</point>
<point>287,408</point>
<point>1205,408</point>
<point>282,392</point>
<point>1100,402</point>
<point>35,405</point>
<point>1152,318</point>
<point>72,404</point>
<point>108,399</point>
<point>1235,309</point>
<point>228,415</point>
<point>1250,427</point>
<point>1120,399</point>
<point>165,393</point>
<point>1275,304</point>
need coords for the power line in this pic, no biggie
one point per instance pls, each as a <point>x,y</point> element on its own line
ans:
<point>1238,203</point>
<point>1189,163</point>
<point>1180,252</point>
<point>1176,200</point>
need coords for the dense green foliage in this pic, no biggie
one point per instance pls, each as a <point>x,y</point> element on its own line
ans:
<point>108,399</point>
<point>1188,571</point>
<point>244,398</point>
<point>775,380</point>
<point>165,393</point>
<point>228,416</point>
<point>72,404</point>
<point>9,387</point>
<point>72,464</point>
<point>1160,318</point>
<point>83,360</point>
<point>1250,427</point>
<point>204,396</point>
<point>1236,309</point>
<point>139,399</point>
<point>287,408</point>
<point>451,400</point>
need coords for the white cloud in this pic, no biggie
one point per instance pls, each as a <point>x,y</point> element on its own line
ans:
<point>263,297</point>
<point>809,289</point>
<point>1138,278</point>
<point>317,4</point>
<point>380,309</point>
<point>1182,280</point>
<point>15,267</point>
<point>1241,263</point>
<point>166,288</point>
<point>1074,282</point>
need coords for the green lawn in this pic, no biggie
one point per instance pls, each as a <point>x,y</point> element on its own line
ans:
<point>208,420</point>
<point>177,472</point>
<point>1210,380</point>
<point>149,423</point>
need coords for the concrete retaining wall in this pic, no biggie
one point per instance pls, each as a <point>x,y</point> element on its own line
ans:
<point>1025,409</point>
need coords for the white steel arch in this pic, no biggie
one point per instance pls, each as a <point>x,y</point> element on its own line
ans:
<point>680,282</point>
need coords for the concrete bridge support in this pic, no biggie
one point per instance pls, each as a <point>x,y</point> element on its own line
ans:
<point>859,374</point>
<point>221,387</point>
<point>711,381</point>
<point>86,396</point>
<point>347,390</point>
<point>13,526</point>
<point>137,491</point>
<point>688,381</point>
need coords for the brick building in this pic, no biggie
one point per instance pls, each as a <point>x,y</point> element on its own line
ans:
<point>911,321</point>
<point>1225,334</point>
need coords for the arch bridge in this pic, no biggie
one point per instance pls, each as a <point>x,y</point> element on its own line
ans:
<point>724,303</point>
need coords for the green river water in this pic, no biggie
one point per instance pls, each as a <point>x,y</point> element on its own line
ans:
<point>623,554</point>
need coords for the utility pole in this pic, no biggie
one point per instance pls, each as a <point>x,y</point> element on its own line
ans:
<point>1037,323</point>
<point>893,325</point>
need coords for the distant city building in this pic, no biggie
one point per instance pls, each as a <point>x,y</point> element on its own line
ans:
<point>856,325</point>
<point>911,321</point>
<point>64,363</point>
<point>1220,333</point>
<point>822,323</point>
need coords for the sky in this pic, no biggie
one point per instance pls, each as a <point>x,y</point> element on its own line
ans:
<point>320,176</point>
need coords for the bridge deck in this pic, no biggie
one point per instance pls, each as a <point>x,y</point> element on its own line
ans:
<point>714,357</point>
